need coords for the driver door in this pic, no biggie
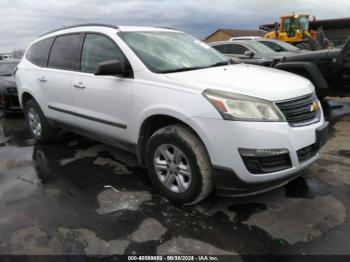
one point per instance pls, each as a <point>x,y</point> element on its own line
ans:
<point>238,50</point>
<point>102,102</point>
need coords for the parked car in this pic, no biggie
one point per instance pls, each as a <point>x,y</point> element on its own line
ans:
<point>274,44</point>
<point>245,38</point>
<point>194,119</point>
<point>280,46</point>
<point>328,70</point>
<point>8,91</point>
<point>249,51</point>
<point>4,57</point>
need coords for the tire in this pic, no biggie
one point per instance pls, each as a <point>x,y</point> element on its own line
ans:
<point>192,158</point>
<point>47,133</point>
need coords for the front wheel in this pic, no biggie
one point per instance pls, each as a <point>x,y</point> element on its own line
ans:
<point>38,125</point>
<point>179,165</point>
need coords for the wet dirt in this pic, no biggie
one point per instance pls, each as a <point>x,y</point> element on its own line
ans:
<point>53,200</point>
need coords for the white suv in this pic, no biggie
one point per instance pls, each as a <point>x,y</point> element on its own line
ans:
<point>194,119</point>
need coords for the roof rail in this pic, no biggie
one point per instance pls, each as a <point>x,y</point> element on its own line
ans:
<point>79,25</point>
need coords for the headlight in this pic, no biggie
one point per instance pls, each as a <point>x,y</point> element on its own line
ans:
<point>243,108</point>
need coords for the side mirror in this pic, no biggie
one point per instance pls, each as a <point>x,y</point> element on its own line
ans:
<point>249,53</point>
<point>111,68</point>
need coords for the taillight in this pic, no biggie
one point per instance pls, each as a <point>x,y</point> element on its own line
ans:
<point>2,101</point>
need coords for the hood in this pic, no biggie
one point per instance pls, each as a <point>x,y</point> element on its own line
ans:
<point>9,80</point>
<point>314,55</point>
<point>276,55</point>
<point>266,83</point>
<point>7,83</point>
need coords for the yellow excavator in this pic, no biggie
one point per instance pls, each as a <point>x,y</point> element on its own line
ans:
<point>295,29</point>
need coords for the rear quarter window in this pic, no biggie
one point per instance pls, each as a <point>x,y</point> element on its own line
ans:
<point>64,52</point>
<point>38,53</point>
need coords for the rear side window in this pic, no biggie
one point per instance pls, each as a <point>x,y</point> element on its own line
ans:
<point>96,49</point>
<point>221,48</point>
<point>63,53</point>
<point>237,49</point>
<point>39,52</point>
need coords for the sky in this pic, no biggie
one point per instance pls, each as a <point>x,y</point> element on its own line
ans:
<point>21,21</point>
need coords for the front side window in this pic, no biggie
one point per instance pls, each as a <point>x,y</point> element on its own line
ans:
<point>96,49</point>
<point>286,24</point>
<point>63,53</point>
<point>167,52</point>
<point>39,52</point>
<point>237,49</point>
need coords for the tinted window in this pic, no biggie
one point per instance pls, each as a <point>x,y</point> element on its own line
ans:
<point>39,52</point>
<point>221,48</point>
<point>236,49</point>
<point>272,45</point>
<point>96,49</point>
<point>64,52</point>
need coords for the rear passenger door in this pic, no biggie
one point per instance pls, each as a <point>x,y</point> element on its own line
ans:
<point>57,77</point>
<point>103,103</point>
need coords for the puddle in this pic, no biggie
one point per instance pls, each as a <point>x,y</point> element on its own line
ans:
<point>306,188</point>
<point>244,211</point>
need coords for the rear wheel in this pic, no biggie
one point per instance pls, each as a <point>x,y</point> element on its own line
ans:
<point>179,165</point>
<point>38,124</point>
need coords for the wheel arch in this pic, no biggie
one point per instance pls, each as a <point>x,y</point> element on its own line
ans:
<point>152,123</point>
<point>25,97</point>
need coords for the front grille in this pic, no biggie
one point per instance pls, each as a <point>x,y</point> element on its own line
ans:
<point>298,111</point>
<point>267,164</point>
<point>307,153</point>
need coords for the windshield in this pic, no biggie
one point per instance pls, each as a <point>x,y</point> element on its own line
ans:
<point>259,47</point>
<point>279,46</point>
<point>7,69</point>
<point>166,52</point>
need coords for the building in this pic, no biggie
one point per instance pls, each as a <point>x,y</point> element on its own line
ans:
<point>226,34</point>
<point>337,30</point>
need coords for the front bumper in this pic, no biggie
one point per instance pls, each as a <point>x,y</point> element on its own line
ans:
<point>223,138</point>
<point>228,183</point>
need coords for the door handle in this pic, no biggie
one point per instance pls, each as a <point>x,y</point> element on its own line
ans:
<point>43,79</point>
<point>79,85</point>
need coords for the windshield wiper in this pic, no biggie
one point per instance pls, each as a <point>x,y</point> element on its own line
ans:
<point>182,69</point>
<point>222,63</point>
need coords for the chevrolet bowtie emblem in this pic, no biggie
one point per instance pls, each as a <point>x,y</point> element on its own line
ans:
<point>314,107</point>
